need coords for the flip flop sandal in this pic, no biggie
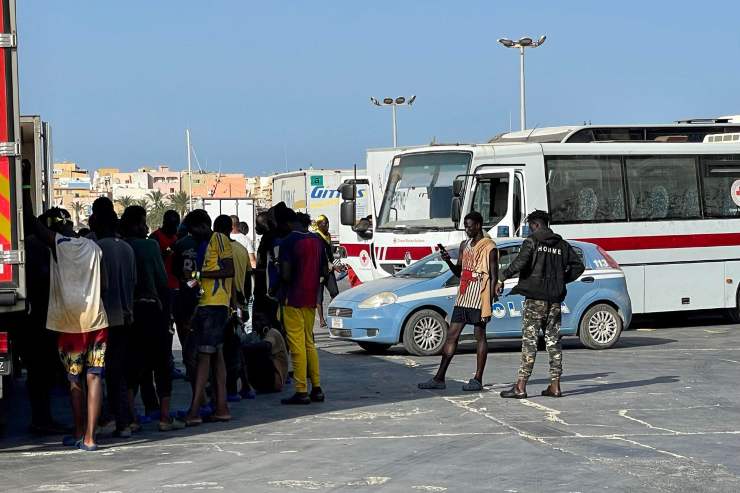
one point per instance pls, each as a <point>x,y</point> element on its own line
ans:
<point>549,393</point>
<point>87,448</point>
<point>473,385</point>
<point>218,419</point>
<point>193,422</point>
<point>432,384</point>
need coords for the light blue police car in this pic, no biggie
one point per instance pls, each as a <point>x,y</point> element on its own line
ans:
<point>413,306</point>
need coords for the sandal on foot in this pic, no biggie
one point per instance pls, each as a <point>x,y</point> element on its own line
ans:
<point>549,393</point>
<point>432,384</point>
<point>218,419</point>
<point>473,385</point>
<point>513,393</point>
<point>193,421</point>
<point>87,448</point>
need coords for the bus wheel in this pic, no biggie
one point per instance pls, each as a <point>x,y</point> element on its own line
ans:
<point>374,347</point>
<point>600,327</point>
<point>425,333</point>
<point>734,313</point>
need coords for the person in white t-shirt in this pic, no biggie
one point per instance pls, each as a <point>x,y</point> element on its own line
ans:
<point>240,234</point>
<point>75,310</point>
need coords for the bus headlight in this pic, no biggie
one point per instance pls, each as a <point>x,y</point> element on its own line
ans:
<point>380,299</point>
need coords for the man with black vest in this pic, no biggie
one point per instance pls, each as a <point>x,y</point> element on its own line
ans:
<point>545,264</point>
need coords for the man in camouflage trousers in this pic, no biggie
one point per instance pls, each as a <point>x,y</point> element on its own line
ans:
<point>545,264</point>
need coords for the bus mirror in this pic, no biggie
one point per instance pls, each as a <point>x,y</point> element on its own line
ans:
<point>457,187</point>
<point>347,213</point>
<point>455,210</point>
<point>348,190</point>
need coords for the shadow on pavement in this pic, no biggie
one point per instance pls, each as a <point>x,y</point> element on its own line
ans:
<point>590,389</point>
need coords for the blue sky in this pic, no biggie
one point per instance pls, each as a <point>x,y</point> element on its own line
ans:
<point>120,81</point>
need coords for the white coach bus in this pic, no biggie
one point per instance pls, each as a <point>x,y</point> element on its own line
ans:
<point>663,200</point>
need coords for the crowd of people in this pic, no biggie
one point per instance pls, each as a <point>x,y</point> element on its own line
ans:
<point>110,301</point>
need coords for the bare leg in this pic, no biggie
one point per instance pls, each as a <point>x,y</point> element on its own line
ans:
<point>164,409</point>
<point>200,385</point>
<point>481,351</point>
<point>222,409</point>
<point>77,403</point>
<point>94,402</point>
<point>450,347</point>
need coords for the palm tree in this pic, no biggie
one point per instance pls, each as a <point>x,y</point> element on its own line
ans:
<point>123,202</point>
<point>180,201</point>
<point>156,198</point>
<point>77,207</point>
<point>141,202</point>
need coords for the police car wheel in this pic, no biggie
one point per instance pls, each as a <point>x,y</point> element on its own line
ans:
<point>374,347</point>
<point>425,333</point>
<point>600,327</point>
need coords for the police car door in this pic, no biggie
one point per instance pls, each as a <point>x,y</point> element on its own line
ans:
<point>506,318</point>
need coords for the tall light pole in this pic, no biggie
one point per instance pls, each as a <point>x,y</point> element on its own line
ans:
<point>190,171</point>
<point>399,101</point>
<point>522,43</point>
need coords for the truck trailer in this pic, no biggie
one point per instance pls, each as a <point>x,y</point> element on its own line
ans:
<point>314,192</point>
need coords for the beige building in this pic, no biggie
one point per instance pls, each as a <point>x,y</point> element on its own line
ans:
<point>216,185</point>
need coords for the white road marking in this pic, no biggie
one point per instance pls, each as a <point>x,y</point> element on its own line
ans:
<point>623,414</point>
<point>551,414</point>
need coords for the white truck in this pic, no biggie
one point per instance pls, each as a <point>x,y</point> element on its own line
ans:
<point>314,192</point>
<point>243,207</point>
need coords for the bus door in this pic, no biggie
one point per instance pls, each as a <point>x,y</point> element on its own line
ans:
<point>498,194</point>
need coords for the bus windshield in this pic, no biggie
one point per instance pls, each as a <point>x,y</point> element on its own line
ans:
<point>419,191</point>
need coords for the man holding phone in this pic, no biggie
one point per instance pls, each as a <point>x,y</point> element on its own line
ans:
<point>477,268</point>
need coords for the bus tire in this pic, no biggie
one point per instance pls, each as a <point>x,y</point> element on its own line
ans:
<point>600,327</point>
<point>734,313</point>
<point>374,347</point>
<point>425,333</point>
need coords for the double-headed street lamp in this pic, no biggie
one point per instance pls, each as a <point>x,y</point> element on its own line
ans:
<point>525,42</point>
<point>399,101</point>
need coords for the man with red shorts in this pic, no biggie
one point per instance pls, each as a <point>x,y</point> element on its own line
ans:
<point>75,311</point>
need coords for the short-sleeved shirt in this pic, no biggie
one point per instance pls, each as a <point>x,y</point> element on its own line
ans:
<point>216,291</point>
<point>120,275</point>
<point>244,241</point>
<point>166,248</point>
<point>184,263</point>
<point>75,304</point>
<point>151,278</point>
<point>306,255</point>
<point>242,267</point>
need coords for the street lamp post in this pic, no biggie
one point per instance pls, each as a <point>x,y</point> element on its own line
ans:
<point>521,44</point>
<point>399,101</point>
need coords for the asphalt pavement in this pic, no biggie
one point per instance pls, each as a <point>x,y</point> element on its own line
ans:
<point>659,412</point>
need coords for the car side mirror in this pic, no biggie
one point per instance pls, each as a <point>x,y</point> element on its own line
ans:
<point>347,213</point>
<point>456,210</point>
<point>348,190</point>
<point>457,187</point>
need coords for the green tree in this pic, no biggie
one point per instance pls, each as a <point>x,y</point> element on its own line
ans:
<point>156,198</point>
<point>180,202</point>
<point>141,202</point>
<point>123,202</point>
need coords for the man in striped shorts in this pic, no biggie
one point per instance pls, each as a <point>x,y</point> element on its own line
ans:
<point>477,268</point>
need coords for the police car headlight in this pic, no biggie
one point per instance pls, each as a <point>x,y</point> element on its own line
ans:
<point>380,299</point>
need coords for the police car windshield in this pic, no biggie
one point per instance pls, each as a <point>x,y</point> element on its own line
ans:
<point>428,267</point>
